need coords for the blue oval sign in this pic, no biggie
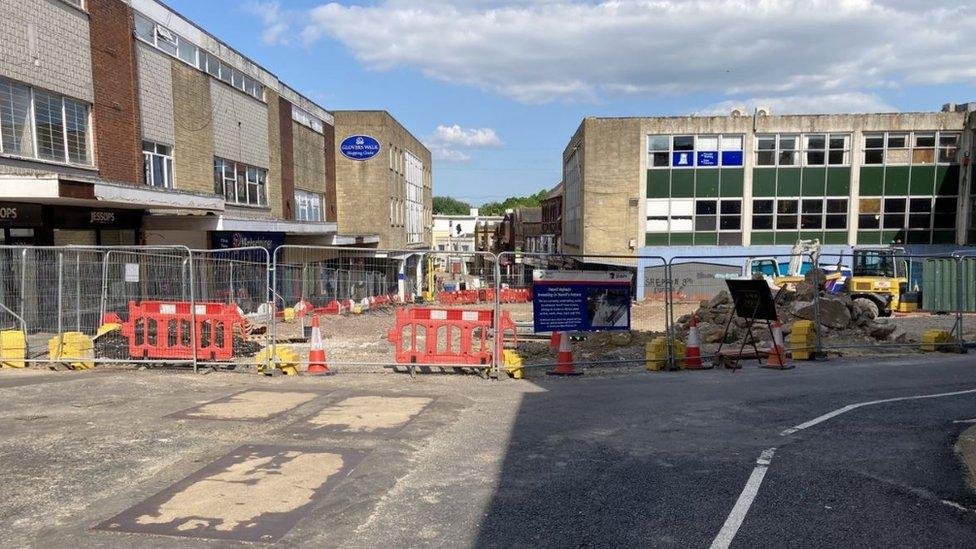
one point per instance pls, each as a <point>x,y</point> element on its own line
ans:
<point>359,147</point>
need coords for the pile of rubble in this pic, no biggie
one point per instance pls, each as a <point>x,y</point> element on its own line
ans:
<point>841,319</point>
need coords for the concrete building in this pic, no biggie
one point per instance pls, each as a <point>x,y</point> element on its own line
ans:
<point>388,191</point>
<point>762,179</point>
<point>123,122</point>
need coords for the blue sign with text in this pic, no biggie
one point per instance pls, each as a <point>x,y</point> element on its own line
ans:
<point>359,147</point>
<point>708,158</point>
<point>580,301</point>
<point>732,158</point>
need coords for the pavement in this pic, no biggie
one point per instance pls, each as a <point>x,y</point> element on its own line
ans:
<point>830,454</point>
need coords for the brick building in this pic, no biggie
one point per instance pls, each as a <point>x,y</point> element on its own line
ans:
<point>550,241</point>
<point>762,179</point>
<point>387,192</point>
<point>124,122</point>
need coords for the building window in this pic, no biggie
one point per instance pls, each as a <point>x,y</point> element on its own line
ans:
<point>902,148</point>
<point>240,183</point>
<point>56,130</point>
<point>791,214</point>
<point>179,47</point>
<point>308,206</point>
<point>688,151</point>
<point>411,208</point>
<point>306,119</point>
<point>157,165</point>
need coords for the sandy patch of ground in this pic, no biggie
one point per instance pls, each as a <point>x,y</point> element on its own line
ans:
<point>369,413</point>
<point>251,405</point>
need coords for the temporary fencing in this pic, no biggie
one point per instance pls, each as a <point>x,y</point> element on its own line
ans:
<point>420,309</point>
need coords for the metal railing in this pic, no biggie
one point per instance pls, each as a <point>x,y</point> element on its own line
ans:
<point>46,292</point>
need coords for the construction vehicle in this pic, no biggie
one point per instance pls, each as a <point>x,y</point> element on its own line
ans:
<point>879,278</point>
<point>804,255</point>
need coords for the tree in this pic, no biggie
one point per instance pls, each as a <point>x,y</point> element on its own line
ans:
<point>512,202</point>
<point>445,205</point>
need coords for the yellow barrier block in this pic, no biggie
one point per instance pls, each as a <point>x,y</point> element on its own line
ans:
<point>656,354</point>
<point>286,359</point>
<point>72,348</point>
<point>932,339</point>
<point>289,314</point>
<point>13,349</point>
<point>108,327</point>
<point>513,363</point>
<point>803,327</point>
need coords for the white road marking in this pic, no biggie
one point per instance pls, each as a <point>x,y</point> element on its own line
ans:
<point>749,492</point>
<point>849,407</point>
<point>965,420</point>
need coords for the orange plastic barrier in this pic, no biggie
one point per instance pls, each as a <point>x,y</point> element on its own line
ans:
<point>158,329</point>
<point>509,295</point>
<point>445,336</point>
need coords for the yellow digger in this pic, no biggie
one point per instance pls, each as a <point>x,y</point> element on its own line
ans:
<point>879,279</point>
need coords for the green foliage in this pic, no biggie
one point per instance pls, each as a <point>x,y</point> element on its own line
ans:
<point>445,205</point>
<point>512,202</point>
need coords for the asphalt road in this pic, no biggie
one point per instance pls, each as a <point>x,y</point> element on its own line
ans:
<point>606,460</point>
<point>661,462</point>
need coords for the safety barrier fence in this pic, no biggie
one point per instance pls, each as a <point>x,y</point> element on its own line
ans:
<point>425,309</point>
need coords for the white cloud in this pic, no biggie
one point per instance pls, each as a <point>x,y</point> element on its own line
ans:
<point>277,28</point>
<point>567,50</point>
<point>466,137</point>
<point>450,143</point>
<point>830,103</point>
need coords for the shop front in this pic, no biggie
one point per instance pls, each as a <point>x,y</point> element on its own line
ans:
<point>23,224</point>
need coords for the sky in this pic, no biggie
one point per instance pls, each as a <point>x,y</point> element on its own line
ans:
<point>495,89</point>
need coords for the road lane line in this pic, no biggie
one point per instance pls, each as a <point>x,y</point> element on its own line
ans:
<point>849,407</point>
<point>749,492</point>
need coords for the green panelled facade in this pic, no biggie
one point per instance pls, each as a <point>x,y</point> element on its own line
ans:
<point>800,182</point>
<point>906,182</point>
<point>715,183</point>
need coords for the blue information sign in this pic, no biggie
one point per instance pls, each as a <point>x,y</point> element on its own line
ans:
<point>581,301</point>
<point>732,158</point>
<point>683,159</point>
<point>708,158</point>
<point>359,147</point>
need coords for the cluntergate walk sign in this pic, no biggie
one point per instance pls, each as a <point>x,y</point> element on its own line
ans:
<point>581,301</point>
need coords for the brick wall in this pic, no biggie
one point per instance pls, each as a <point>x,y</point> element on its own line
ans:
<point>155,94</point>
<point>48,44</point>
<point>115,109</point>
<point>193,153</point>
<point>274,154</point>
<point>287,159</point>
<point>240,125</point>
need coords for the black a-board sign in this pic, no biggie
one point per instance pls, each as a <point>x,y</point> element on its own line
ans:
<point>752,299</point>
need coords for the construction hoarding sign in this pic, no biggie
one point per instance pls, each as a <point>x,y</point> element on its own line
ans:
<point>581,301</point>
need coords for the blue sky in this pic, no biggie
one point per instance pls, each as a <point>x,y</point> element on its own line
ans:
<point>496,88</point>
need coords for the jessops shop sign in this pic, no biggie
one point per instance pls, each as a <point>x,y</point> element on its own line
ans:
<point>359,147</point>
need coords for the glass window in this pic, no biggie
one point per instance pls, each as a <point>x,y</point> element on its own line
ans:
<point>762,214</point>
<point>898,152</point>
<point>145,29</point>
<point>731,142</point>
<point>708,143</point>
<point>50,125</point>
<point>873,141</point>
<point>838,144</point>
<point>870,213</point>
<point>76,131</point>
<point>814,146</point>
<point>786,214</point>
<point>924,150</point>
<point>787,150</point>
<point>731,215</point>
<point>812,214</point>
<point>657,143</point>
<point>705,215</point>
<point>188,52</point>
<point>16,135</point>
<point>836,214</point>
<point>766,150</point>
<point>166,41</point>
<point>308,206</point>
<point>684,143</point>
<point>948,148</point>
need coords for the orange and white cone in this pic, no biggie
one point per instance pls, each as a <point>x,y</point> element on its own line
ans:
<point>693,359</point>
<point>777,355</point>
<point>316,353</point>
<point>554,340</point>
<point>564,359</point>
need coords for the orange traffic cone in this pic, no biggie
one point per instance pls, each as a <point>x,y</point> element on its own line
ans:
<point>693,359</point>
<point>554,340</point>
<point>777,355</point>
<point>316,353</point>
<point>564,359</point>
